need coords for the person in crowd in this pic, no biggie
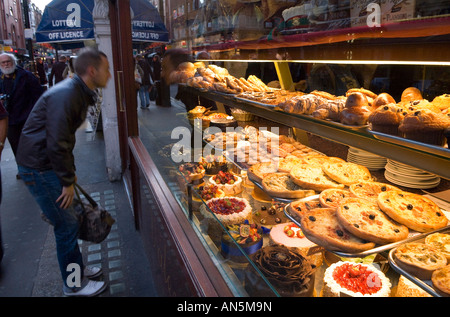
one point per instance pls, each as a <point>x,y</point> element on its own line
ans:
<point>155,64</point>
<point>146,82</point>
<point>20,89</point>
<point>57,71</point>
<point>3,133</point>
<point>46,162</point>
<point>69,71</point>
<point>40,69</point>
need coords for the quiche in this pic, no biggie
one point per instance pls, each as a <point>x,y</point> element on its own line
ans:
<point>413,210</point>
<point>441,280</point>
<point>312,177</point>
<point>440,241</point>
<point>322,227</point>
<point>281,185</point>
<point>332,197</point>
<point>419,259</point>
<point>318,160</point>
<point>259,170</point>
<point>346,173</point>
<point>370,190</point>
<point>364,219</point>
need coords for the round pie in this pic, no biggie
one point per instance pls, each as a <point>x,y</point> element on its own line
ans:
<point>364,219</point>
<point>370,190</point>
<point>441,279</point>
<point>257,171</point>
<point>281,185</point>
<point>414,211</point>
<point>322,227</point>
<point>440,241</point>
<point>313,177</point>
<point>346,173</point>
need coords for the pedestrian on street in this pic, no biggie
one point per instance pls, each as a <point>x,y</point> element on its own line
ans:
<point>144,89</point>
<point>46,162</point>
<point>3,133</point>
<point>20,89</point>
<point>57,71</point>
<point>69,71</point>
<point>40,69</point>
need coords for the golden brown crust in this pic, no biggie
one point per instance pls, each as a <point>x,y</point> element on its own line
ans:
<point>312,177</point>
<point>347,173</point>
<point>332,197</point>
<point>364,219</point>
<point>370,190</point>
<point>363,91</point>
<point>382,99</point>
<point>424,119</point>
<point>440,241</point>
<point>410,94</point>
<point>388,114</point>
<point>257,171</point>
<point>414,211</point>
<point>281,185</point>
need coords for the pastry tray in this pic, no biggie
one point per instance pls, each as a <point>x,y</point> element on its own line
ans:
<point>429,148</point>
<point>426,285</point>
<point>413,236</point>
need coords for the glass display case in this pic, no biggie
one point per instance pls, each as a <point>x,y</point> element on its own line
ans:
<point>262,55</point>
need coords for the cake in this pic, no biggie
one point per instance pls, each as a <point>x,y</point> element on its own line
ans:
<point>213,164</point>
<point>442,101</point>
<point>228,210</point>
<point>247,236</point>
<point>425,126</point>
<point>208,191</point>
<point>230,184</point>
<point>290,235</point>
<point>386,119</point>
<point>349,279</point>
<point>287,270</point>
<point>406,288</point>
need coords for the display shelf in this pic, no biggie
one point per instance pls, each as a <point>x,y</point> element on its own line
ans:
<point>359,138</point>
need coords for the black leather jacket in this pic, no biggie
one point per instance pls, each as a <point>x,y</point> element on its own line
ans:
<point>48,137</point>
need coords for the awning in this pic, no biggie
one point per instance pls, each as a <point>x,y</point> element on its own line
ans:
<point>68,23</point>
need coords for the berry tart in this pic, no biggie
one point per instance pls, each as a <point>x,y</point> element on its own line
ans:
<point>228,182</point>
<point>228,210</point>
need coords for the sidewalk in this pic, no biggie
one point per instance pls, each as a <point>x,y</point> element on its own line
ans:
<point>29,267</point>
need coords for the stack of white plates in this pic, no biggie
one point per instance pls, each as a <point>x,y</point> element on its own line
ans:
<point>367,159</point>
<point>408,176</point>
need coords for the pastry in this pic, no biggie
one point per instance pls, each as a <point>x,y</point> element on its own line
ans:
<point>406,288</point>
<point>331,198</point>
<point>229,183</point>
<point>349,279</point>
<point>364,219</point>
<point>381,100</point>
<point>442,101</point>
<point>441,280</point>
<point>192,171</point>
<point>228,210</point>
<point>270,215</point>
<point>290,273</point>
<point>370,190</point>
<point>425,126</point>
<point>414,105</point>
<point>318,160</point>
<point>386,119</point>
<point>440,241</point>
<point>281,185</point>
<point>346,173</point>
<point>419,259</point>
<point>287,163</point>
<point>322,227</point>
<point>330,110</point>
<point>312,177</point>
<point>357,109</point>
<point>414,211</point>
<point>410,94</point>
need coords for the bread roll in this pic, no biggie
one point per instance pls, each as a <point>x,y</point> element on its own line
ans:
<point>381,100</point>
<point>410,94</point>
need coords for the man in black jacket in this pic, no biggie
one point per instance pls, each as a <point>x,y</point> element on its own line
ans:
<point>57,71</point>
<point>46,163</point>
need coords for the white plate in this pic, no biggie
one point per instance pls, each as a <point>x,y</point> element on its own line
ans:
<point>413,180</point>
<point>417,186</point>
<point>393,170</point>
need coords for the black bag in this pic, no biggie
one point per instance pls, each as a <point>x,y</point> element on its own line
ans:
<point>95,222</point>
<point>153,93</point>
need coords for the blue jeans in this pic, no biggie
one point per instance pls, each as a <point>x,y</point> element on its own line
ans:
<point>46,188</point>
<point>144,95</point>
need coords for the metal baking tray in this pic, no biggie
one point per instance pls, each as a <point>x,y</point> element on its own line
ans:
<point>413,236</point>
<point>283,200</point>
<point>426,285</point>
<point>429,148</point>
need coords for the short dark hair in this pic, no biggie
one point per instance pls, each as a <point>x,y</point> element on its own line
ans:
<point>88,56</point>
